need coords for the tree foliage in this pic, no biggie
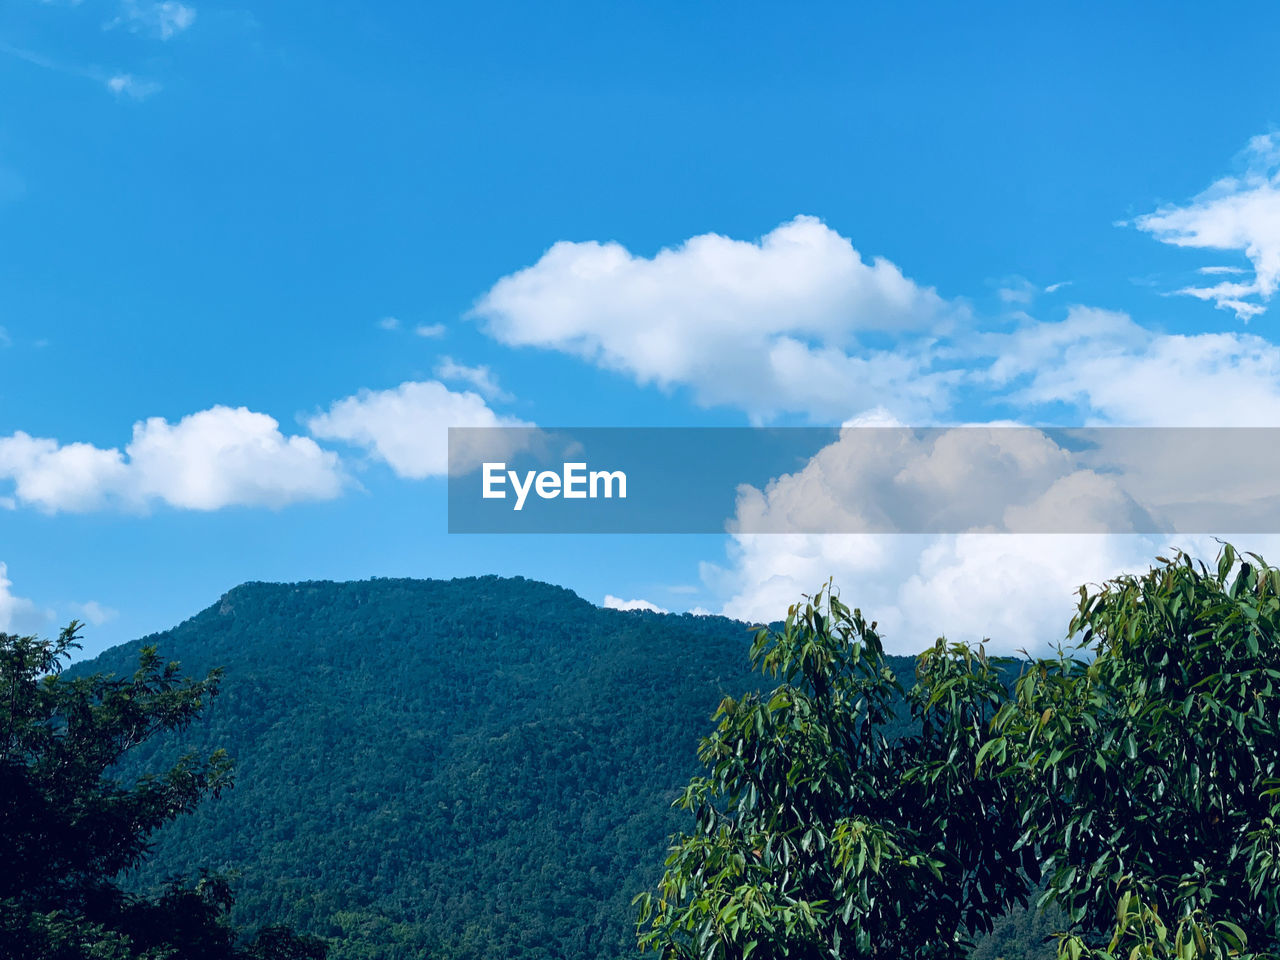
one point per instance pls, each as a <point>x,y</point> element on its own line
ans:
<point>819,836</point>
<point>1137,770</point>
<point>1151,762</point>
<point>69,827</point>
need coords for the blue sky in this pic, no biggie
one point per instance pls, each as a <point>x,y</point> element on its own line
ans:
<point>215,213</point>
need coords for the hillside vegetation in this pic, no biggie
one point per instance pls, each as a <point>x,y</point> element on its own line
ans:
<point>480,767</point>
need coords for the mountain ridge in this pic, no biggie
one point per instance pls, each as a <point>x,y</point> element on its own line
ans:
<point>411,754</point>
<point>478,767</point>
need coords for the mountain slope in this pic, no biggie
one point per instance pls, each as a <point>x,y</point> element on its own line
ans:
<point>480,767</point>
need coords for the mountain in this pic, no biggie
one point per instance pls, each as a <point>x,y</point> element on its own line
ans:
<point>473,768</point>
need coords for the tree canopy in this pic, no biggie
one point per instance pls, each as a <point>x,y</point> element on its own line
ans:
<point>819,836</point>
<point>1136,770</point>
<point>1150,758</point>
<point>69,826</point>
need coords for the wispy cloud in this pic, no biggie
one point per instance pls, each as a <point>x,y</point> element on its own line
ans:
<point>432,331</point>
<point>481,378</point>
<point>18,613</point>
<point>124,85</point>
<point>1020,291</point>
<point>1017,290</point>
<point>38,59</point>
<point>164,19</point>
<point>95,613</point>
<point>127,85</point>
<point>1239,213</point>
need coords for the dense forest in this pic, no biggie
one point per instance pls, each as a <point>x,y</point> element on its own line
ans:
<point>481,767</point>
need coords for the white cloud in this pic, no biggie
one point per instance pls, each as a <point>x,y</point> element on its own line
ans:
<point>1017,590</point>
<point>127,85</point>
<point>699,612</point>
<point>163,19</point>
<point>95,613</point>
<point>121,84</point>
<point>481,378</point>
<point>18,614</point>
<point>617,603</point>
<point>1124,374</point>
<point>984,478</point>
<point>73,477</point>
<point>771,327</point>
<point>430,331</point>
<point>389,323</point>
<point>1240,213</point>
<point>208,460</point>
<point>223,456</point>
<point>1018,290</point>
<point>798,323</point>
<point>407,427</point>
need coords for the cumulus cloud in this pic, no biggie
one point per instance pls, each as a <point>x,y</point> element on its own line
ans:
<point>207,460</point>
<point>430,331</point>
<point>1239,213</point>
<point>389,323</point>
<point>979,478</point>
<point>226,456</point>
<point>771,326</point>
<point>1016,591</point>
<point>407,427</point>
<point>481,378</point>
<point>799,323</point>
<point>617,603</point>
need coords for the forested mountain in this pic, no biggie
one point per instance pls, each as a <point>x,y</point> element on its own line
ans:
<point>481,767</point>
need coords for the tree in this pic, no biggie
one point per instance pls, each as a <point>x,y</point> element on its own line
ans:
<point>818,834</point>
<point>1150,763</point>
<point>1137,770</point>
<point>69,827</point>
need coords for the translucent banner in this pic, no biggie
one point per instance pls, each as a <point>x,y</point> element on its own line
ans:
<point>979,479</point>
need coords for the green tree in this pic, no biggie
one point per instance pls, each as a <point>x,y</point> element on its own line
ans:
<point>1138,770</point>
<point>1150,763</point>
<point>69,828</point>
<point>817,835</point>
